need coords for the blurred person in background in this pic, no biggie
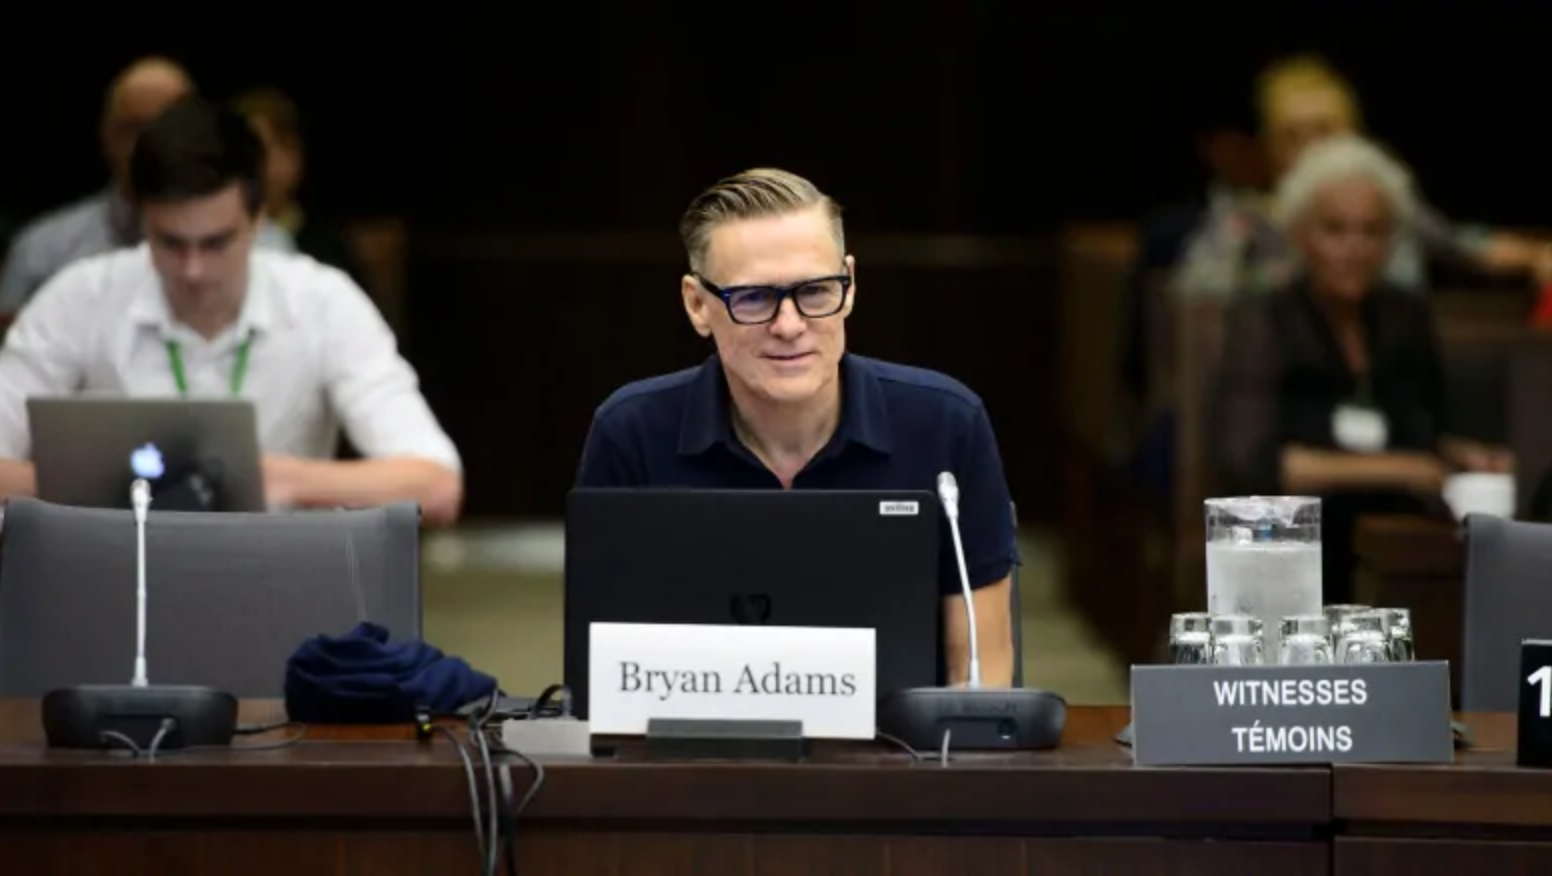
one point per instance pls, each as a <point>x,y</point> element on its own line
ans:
<point>197,311</point>
<point>1230,153</point>
<point>1333,385</point>
<point>275,119</point>
<point>1302,101</point>
<point>105,221</point>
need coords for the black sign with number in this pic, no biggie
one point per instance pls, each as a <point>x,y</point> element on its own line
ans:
<point>1535,748</point>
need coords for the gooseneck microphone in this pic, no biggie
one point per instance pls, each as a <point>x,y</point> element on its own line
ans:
<point>140,502</point>
<point>948,494</point>
<point>972,717</point>
<point>139,716</point>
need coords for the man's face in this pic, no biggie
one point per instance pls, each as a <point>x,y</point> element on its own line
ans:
<point>793,358</point>
<point>200,249</point>
<point>1304,117</point>
<point>1345,236</point>
<point>131,109</point>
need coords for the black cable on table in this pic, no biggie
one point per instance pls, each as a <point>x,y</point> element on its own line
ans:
<point>293,739</point>
<point>256,729</point>
<point>474,788</point>
<point>111,737</point>
<point>504,828</point>
<point>508,821</point>
<point>477,721</point>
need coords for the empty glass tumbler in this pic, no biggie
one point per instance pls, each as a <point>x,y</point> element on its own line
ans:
<point>1238,640</point>
<point>1337,616</point>
<point>1364,638</point>
<point>1399,624</point>
<point>1190,638</point>
<point>1305,641</point>
<point>1263,559</point>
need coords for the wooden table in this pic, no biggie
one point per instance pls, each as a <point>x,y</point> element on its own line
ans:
<point>1481,815</point>
<point>344,803</point>
<point>1416,562</point>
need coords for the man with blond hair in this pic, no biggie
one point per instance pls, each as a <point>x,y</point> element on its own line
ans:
<point>1303,100</point>
<point>781,404</point>
<point>107,220</point>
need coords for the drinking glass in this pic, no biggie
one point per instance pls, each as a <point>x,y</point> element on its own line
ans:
<point>1306,641</point>
<point>1364,639</point>
<point>1263,558</point>
<point>1190,638</point>
<point>1337,616</point>
<point>1399,623</point>
<point>1238,640</point>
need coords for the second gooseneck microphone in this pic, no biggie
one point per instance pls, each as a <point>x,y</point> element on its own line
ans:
<point>948,494</point>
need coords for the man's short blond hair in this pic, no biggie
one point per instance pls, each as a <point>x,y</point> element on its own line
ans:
<point>1302,73</point>
<point>752,194</point>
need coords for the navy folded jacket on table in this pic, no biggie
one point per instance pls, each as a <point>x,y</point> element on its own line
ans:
<point>362,678</point>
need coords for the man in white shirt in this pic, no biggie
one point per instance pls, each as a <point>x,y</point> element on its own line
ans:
<point>196,310</point>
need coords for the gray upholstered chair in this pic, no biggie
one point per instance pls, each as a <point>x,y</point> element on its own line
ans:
<point>229,596</point>
<point>1507,599</point>
<point>1017,612</point>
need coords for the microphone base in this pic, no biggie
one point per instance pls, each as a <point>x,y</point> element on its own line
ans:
<point>78,717</point>
<point>975,719</point>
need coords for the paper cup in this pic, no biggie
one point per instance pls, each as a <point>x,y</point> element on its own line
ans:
<point>1480,493</point>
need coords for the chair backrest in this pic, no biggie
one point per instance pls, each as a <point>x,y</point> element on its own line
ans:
<point>1016,610</point>
<point>1506,600</point>
<point>1476,392</point>
<point>1497,384</point>
<point>1530,422</point>
<point>1199,326</point>
<point>229,596</point>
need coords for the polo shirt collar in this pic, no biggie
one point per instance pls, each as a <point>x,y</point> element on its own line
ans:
<point>149,307</point>
<point>708,420</point>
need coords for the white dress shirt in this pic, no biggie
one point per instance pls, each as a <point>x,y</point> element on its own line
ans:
<point>321,357</point>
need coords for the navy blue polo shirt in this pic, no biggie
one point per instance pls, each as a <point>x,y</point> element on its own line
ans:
<point>899,427</point>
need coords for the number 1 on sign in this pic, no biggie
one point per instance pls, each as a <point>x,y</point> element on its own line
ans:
<point>1542,678</point>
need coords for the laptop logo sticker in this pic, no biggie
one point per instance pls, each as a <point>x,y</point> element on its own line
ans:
<point>146,462</point>
<point>753,608</point>
<point>897,509</point>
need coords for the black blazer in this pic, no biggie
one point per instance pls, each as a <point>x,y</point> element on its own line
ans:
<point>1282,375</point>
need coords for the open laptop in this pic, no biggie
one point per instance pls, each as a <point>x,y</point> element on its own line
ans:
<point>87,450</point>
<point>813,558</point>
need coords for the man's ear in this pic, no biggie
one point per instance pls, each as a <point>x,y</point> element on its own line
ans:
<point>851,300</point>
<point>695,304</point>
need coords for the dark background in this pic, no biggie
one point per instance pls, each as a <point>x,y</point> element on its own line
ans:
<point>520,143</point>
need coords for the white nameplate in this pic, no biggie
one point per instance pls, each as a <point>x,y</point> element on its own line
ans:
<point>823,677</point>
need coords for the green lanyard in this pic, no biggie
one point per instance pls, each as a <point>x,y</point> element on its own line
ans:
<point>239,368</point>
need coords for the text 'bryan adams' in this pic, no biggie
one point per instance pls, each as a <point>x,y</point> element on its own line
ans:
<point>664,683</point>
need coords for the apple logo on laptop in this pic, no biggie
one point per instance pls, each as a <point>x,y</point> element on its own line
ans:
<point>146,462</point>
<point>751,608</point>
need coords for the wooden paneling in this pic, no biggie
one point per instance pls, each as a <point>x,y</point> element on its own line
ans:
<point>431,853</point>
<point>1405,857</point>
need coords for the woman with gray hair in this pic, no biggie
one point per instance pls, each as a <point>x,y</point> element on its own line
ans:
<point>1333,386</point>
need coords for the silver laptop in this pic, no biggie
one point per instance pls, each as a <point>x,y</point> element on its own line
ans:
<point>87,450</point>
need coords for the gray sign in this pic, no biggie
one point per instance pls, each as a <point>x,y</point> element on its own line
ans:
<point>1224,715</point>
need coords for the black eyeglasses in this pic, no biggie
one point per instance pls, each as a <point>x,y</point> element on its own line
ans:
<point>756,305</point>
